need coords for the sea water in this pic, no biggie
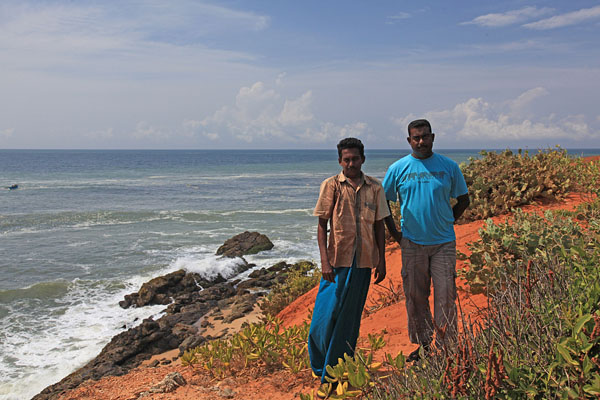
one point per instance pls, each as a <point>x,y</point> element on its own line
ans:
<point>84,228</point>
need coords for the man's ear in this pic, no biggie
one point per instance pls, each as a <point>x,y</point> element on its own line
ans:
<point>408,139</point>
<point>432,137</point>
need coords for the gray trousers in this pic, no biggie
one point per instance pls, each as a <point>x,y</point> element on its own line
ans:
<point>421,265</point>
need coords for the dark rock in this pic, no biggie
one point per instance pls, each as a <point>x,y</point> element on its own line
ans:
<point>245,243</point>
<point>257,273</point>
<point>153,364</point>
<point>280,266</point>
<point>191,297</point>
<point>191,343</point>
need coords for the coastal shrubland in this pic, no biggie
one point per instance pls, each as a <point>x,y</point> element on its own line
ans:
<point>263,347</point>
<point>540,337</point>
<point>501,181</point>
<point>266,345</point>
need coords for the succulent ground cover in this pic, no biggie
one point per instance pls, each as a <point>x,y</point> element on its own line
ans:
<point>541,336</point>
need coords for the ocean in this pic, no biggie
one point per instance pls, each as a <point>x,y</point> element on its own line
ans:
<point>86,227</point>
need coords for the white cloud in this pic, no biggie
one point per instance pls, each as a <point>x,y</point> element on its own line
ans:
<point>261,114</point>
<point>526,98</point>
<point>145,131</point>
<point>103,134</point>
<point>480,120</point>
<point>508,18</point>
<point>192,128</point>
<point>567,19</point>
<point>392,19</point>
<point>279,79</point>
<point>6,133</point>
<point>126,38</point>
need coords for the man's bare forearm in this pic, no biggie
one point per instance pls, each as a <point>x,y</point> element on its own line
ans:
<point>391,226</point>
<point>380,238</point>
<point>462,202</point>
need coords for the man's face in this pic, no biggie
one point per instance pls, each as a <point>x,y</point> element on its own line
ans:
<point>421,141</point>
<point>351,162</point>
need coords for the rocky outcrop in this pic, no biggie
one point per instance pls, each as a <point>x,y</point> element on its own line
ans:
<point>191,298</point>
<point>129,348</point>
<point>245,243</point>
<point>165,289</point>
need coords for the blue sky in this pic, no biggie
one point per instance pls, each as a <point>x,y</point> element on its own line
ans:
<point>298,74</point>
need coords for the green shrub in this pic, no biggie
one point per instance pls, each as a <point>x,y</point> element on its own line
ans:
<point>541,334</point>
<point>300,279</point>
<point>260,345</point>
<point>499,182</point>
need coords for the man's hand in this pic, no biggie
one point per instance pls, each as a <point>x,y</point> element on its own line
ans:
<point>380,271</point>
<point>327,272</point>
<point>397,236</point>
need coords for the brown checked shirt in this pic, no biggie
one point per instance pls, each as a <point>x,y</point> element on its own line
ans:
<point>352,214</point>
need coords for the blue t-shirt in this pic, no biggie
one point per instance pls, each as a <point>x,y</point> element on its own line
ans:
<point>424,188</point>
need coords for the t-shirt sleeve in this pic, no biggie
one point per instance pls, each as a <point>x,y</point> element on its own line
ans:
<point>459,186</point>
<point>382,208</point>
<point>325,203</point>
<point>389,185</point>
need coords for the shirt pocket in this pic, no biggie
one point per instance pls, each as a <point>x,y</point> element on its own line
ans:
<point>368,212</point>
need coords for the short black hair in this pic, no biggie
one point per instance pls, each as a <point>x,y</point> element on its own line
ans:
<point>351,143</point>
<point>418,123</point>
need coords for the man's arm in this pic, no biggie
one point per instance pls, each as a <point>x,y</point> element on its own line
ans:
<point>461,205</point>
<point>380,269</point>
<point>391,226</point>
<point>326,269</point>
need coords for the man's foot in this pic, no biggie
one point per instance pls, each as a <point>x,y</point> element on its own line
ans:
<point>326,389</point>
<point>416,355</point>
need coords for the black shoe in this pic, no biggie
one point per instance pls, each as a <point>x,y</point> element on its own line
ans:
<point>416,355</point>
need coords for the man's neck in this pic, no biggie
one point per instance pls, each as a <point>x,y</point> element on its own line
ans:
<point>421,157</point>
<point>355,182</point>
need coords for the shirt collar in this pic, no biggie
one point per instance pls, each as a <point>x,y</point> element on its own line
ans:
<point>364,179</point>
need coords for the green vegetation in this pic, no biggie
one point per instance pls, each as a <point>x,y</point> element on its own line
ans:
<point>299,280</point>
<point>266,346</point>
<point>353,376</point>
<point>499,182</point>
<point>541,336</point>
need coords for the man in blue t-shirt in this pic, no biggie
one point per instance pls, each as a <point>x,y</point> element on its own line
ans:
<point>424,182</point>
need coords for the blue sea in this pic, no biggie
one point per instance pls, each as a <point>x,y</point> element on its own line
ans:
<point>86,227</point>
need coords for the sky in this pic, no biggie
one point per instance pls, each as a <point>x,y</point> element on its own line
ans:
<point>288,74</point>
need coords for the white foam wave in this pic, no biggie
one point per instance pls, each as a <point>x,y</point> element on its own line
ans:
<point>52,345</point>
<point>208,266</point>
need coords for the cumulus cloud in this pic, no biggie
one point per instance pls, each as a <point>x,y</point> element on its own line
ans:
<point>6,133</point>
<point>480,120</point>
<point>260,113</point>
<point>193,128</point>
<point>508,18</point>
<point>567,19</point>
<point>145,131</point>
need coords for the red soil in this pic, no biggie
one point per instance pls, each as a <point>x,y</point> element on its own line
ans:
<point>282,384</point>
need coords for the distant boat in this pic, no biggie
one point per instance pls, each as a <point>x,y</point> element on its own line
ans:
<point>13,187</point>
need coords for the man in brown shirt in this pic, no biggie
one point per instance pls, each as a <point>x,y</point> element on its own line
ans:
<point>354,206</point>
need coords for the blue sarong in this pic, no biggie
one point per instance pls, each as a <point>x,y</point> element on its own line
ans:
<point>336,317</point>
